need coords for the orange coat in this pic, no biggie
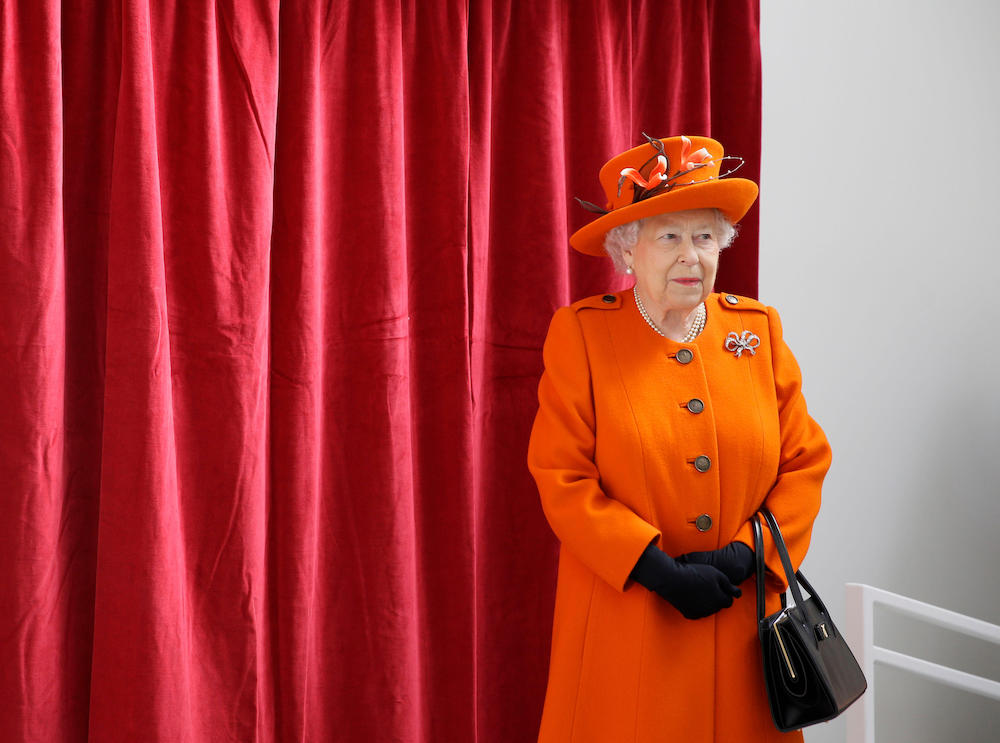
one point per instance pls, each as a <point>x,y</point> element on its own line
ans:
<point>612,451</point>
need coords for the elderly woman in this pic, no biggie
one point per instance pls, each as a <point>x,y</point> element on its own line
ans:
<point>668,414</point>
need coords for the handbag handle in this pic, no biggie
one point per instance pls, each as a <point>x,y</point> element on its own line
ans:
<point>786,561</point>
<point>791,575</point>
<point>758,556</point>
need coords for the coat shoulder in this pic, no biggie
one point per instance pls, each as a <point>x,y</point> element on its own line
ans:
<point>600,302</point>
<point>736,302</point>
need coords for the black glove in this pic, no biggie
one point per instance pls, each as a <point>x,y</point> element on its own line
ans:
<point>696,590</point>
<point>735,560</point>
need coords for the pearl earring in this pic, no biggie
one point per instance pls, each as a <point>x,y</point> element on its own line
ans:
<point>629,270</point>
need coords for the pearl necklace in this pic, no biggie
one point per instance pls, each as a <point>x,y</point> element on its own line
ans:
<point>696,327</point>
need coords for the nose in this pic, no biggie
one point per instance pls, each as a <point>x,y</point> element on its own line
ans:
<point>686,252</point>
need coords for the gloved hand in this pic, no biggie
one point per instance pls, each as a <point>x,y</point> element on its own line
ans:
<point>696,590</point>
<point>736,560</point>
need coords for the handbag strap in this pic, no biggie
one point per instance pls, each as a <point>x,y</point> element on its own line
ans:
<point>786,562</point>
<point>758,551</point>
<point>794,577</point>
<point>814,611</point>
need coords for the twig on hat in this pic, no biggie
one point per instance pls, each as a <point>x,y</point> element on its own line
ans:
<point>590,207</point>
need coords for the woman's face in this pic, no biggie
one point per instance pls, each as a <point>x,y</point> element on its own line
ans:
<point>676,257</point>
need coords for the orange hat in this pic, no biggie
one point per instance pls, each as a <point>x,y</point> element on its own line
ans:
<point>665,175</point>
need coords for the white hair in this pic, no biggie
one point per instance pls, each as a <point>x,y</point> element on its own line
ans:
<point>625,236</point>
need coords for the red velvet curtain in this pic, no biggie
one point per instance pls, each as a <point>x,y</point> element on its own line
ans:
<point>274,278</point>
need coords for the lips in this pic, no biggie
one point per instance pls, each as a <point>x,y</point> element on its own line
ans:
<point>688,281</point>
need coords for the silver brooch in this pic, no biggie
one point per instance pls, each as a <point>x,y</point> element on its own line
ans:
<point>740,343</point>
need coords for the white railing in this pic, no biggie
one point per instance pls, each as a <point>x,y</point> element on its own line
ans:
<point>859,631</point>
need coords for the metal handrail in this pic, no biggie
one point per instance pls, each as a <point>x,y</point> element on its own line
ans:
<point>860,634</point>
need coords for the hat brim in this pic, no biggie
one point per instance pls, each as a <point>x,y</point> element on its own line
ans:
<point>732,196</point>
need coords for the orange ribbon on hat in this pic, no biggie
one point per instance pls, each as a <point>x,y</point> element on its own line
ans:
<point>691,160</point>
<point>656,176</point>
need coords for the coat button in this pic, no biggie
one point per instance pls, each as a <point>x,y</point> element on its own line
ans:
<point>703,522</point>
<point>702,463</point>
<point>695,405</point>
<point>685,355</point>
<point>732,299</point>
<point>608,298</point>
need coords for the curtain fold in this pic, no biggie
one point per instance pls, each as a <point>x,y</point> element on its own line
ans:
<point>274,279</point>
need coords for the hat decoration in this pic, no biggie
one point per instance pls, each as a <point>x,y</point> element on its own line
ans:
<point>658,181</point>
<point>661,176</point>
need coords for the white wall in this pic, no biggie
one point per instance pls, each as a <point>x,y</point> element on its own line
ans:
<point>879,245</point>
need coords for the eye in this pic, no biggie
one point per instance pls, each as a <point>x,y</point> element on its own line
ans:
<point>668,236</point>
<point>705,236</point>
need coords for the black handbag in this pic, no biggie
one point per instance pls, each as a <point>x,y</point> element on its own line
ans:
<point>810,673</point>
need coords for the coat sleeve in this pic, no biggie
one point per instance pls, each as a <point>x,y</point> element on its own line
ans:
<point>603,533</point>
<point>804,459</point>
